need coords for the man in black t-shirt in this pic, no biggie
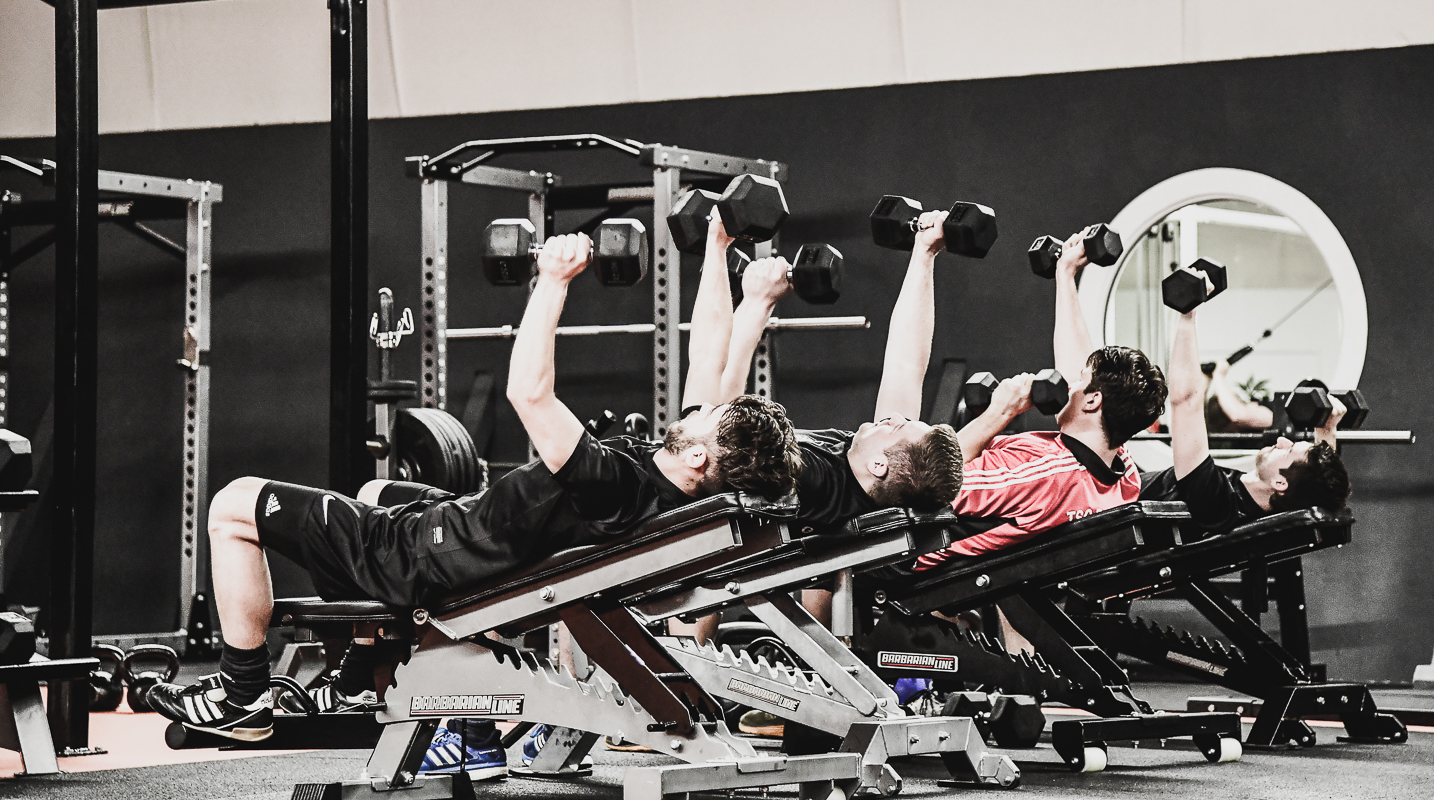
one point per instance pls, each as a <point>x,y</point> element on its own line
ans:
<point>1286,476</point>
<point>580,491</point>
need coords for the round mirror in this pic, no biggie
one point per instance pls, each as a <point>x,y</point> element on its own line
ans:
<point>1289,272</point>
<point>1278,283</point>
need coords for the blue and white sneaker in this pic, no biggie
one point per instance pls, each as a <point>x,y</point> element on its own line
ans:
<point>446,756</point>
<point>535,742</point>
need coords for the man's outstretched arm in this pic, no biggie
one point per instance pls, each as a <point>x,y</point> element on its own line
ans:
<point>1189,439</point>
<point>551,426</point>
<point>707,342</point>
<point>763,283</point>
<point>1010,400</point>
<point>913,322</point>
<point>1073,344</point>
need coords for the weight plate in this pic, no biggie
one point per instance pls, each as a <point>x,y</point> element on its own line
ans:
<point>461,448</point>
<point>422,448</point>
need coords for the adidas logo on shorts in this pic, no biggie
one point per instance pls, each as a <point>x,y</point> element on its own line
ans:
<point>271,505</point>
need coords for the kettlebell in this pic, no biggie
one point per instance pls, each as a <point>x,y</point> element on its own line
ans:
<point>105,683</point>
<point>138,682</point>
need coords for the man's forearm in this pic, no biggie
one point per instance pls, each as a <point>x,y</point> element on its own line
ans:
<point>1073,344</point>
<point>749,323</point>
<point>1186,381</point>
<point>977,434</point>
<point>531,373</point>
<point>908,340</point>
<point>708,340</point>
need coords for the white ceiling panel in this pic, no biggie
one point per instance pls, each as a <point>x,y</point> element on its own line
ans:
<point>126,81</point>
<point>463,56</point>
<point>968,39</point>
<point>735,47</point>
<point>1216,30</point>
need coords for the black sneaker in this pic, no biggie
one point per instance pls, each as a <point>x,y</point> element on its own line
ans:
<point>330,699</point>
<point>205,707</point>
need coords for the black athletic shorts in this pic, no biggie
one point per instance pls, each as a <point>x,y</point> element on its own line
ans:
<point>329,535</point>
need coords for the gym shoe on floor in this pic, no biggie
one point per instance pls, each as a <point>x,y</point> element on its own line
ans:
<point>624,746</point>
<point>446,756</point>
<point>537,740</point>
<point>760,723</point>
<point>330,699</point>
<point>205,707</point>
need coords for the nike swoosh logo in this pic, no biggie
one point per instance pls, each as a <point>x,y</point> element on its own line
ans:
<point>327,498</point>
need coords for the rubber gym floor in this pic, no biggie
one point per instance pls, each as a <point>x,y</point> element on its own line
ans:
<point>139,765</point>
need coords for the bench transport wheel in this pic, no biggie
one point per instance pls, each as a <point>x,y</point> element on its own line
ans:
<point>1230,750</point>
<point>1093,759</point>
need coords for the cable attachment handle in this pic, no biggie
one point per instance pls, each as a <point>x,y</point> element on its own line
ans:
<point>381,327</point>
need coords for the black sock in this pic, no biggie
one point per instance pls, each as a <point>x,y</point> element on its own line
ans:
<point>244,674</point>
<point>356,669</point>
<point>479,733</point>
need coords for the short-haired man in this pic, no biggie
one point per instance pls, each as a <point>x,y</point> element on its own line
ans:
<point>1286,475</point>
<point>579,491</point>
<point>1025,484</point>
<point>895,460</point>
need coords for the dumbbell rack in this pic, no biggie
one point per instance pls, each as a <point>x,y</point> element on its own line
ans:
<point>673,168</point>
<point>130,201</point>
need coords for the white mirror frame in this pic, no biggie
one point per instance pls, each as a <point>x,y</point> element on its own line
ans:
<point>1220,183</point>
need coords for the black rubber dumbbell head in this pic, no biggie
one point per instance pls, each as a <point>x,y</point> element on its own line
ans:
<point>1102,245</point>
<point>1308,406</point>
<point>620,252</point>
<point>1016,721</point>
<point>1185,288</point>
<point>507,252</point>
<point>688,220</point>
<point>635,424</point>
<point>1049,392</point>
<point>978,390</point>
<point>753,208</point>
<point>893,222</point>
<point>16,461</point>
<point>1043,255</point>
<point>970,229</point>
<point>1356,408</point>
<point>816,273</point>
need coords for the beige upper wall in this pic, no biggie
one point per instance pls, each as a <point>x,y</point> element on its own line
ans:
<point>254,62</point>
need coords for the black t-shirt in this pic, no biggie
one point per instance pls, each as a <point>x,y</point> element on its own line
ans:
<point>828,493</point>
<point>605,489</point>
<point>1215,495</point>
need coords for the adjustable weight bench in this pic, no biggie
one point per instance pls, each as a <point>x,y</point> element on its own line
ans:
<point>1068,666</point>
<point>1254,663</point>
<point>842,697</point>
<point>640,692</point>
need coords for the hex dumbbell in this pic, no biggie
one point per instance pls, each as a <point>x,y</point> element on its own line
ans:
<point>1309,406</point>
<point>752,208</point>
<point>969,229</point>
<point>1049,391</point>
<point>1102,248</point>
<point>510,251</point>
<point>815,274</point>
<point>1187,287</point>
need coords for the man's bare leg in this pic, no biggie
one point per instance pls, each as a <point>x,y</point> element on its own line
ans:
<point>243,591</point>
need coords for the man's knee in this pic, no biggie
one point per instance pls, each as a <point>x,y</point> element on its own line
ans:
<point>231,512</point>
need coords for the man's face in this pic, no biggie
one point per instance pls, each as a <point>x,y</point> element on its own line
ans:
<point>698,426</point>
<point>1073,406</point>
<point>1279,456</point>
<point>874,438</point>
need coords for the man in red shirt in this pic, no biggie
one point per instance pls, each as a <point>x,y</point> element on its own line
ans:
<point>1018,486</point>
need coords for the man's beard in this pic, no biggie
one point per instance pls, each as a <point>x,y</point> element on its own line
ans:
<point>675,442</point>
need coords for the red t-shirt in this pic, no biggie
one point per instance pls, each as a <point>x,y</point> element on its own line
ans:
<point>1034,482</point>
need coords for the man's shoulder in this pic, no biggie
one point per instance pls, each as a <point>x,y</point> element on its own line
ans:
<point>833,441</point>
<point>1033,442</point>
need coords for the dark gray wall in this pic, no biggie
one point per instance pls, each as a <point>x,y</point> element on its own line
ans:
<point>1050,153</point>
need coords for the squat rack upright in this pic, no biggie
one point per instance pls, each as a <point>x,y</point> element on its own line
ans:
<point>674,169</point>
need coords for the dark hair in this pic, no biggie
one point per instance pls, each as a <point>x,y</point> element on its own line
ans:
<point>757,448</point>
<point>924,475</point>
<point>1132,390</point>
<point>1319,479</point>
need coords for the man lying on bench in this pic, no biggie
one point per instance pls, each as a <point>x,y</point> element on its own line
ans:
<point>1286,477</point>
<point>580,491</point>
<point>1032,482</point>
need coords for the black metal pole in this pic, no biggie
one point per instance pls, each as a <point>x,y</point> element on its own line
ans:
<point>349,461</point>
<point>76,355</point>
